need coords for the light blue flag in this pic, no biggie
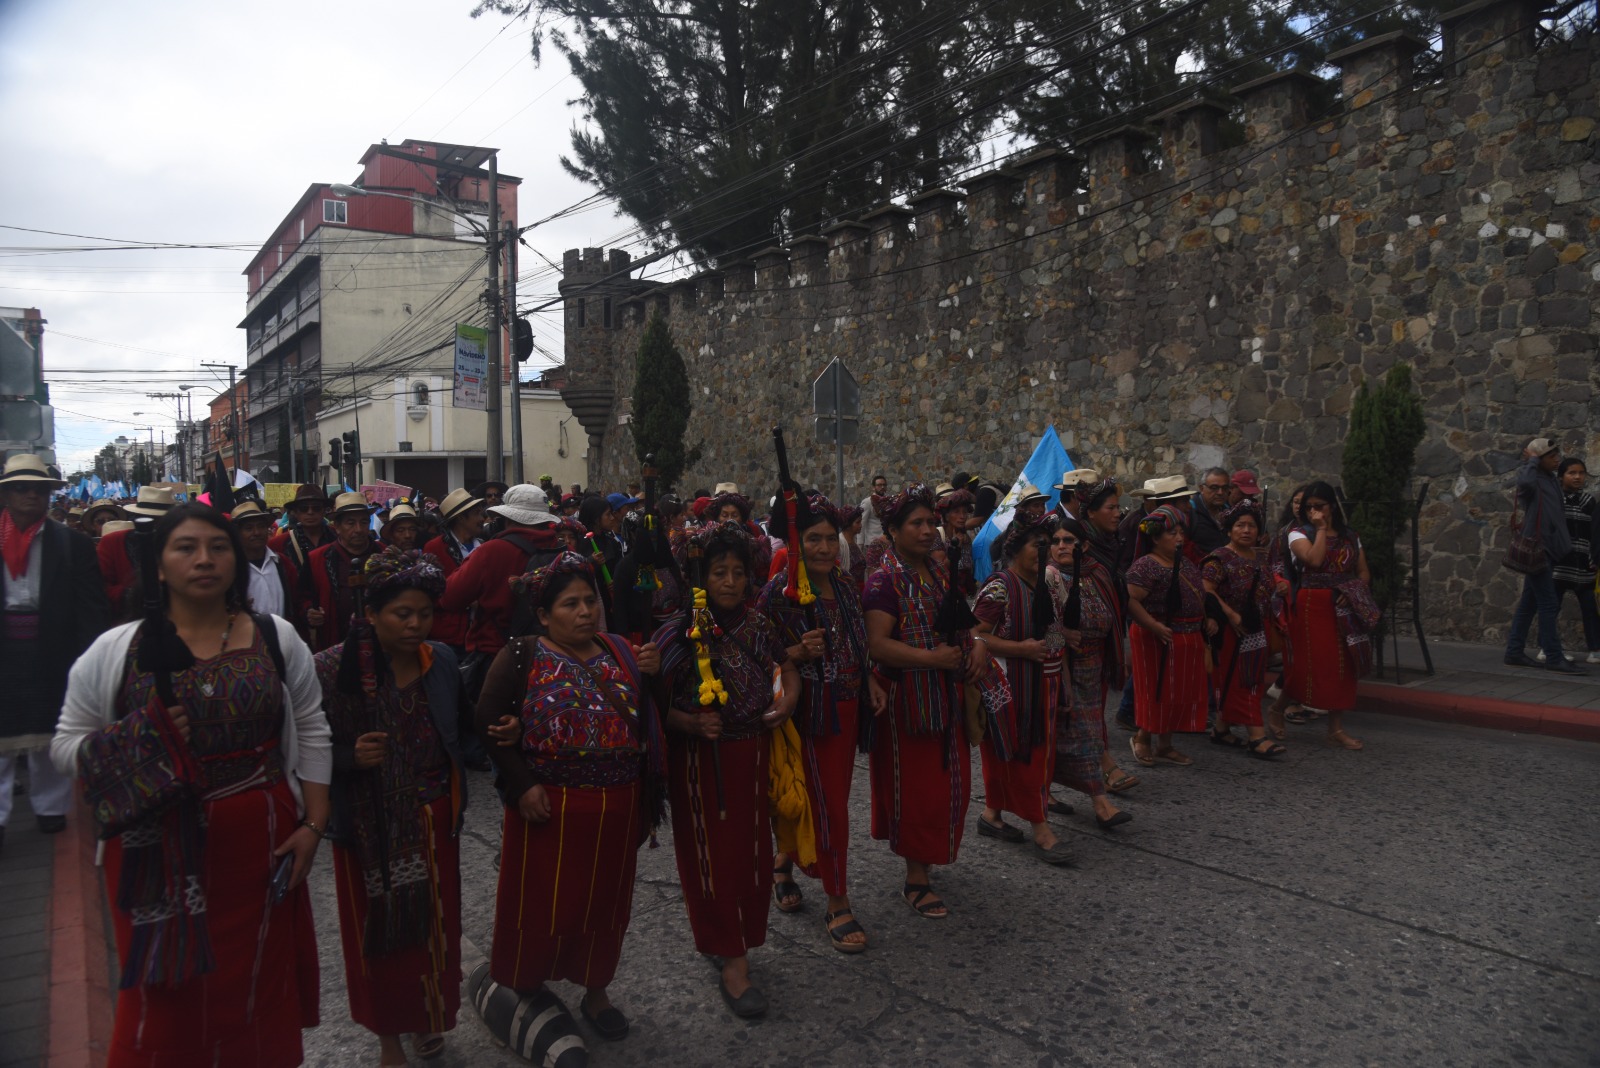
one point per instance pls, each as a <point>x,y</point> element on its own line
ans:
<point>1042,471</point>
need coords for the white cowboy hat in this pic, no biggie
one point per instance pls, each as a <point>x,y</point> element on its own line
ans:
<point>1078,476</point>
<point>1161,489</point>
<point>457,503</point>
<point>154,501</point>
<point>26,467</point>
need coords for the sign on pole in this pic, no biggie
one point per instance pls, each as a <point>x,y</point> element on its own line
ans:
<point>472,368</point>
<point>836,402</point>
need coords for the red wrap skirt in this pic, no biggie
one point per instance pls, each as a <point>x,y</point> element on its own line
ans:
<point>921,786</point>
<point>1182,705</point>
<point>830,764</point>
<point>249,1010</point>
<point>566,888</point>
<point>1238,703</point>
<point>724,856</point>
<point>416,990</point>
<point>1023,788</point>
<point>1321,673</point>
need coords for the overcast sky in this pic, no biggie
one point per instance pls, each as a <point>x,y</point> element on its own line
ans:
<point>179,121</point>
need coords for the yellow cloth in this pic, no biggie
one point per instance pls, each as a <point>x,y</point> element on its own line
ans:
<point>791,805</point>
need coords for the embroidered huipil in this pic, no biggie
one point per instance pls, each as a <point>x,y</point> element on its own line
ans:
<point>743,656</point>
<point>842,673</point>
<point>1153,576</point>
<point>925,697</point>
<point>572,734</point>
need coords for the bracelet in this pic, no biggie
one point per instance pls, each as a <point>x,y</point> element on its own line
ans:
<point>318,831</point>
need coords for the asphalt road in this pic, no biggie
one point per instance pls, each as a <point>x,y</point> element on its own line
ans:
<point>1432,901</point>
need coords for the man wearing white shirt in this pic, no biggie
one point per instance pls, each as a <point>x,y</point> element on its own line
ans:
<point>273,579</point>
<point>871,529</point>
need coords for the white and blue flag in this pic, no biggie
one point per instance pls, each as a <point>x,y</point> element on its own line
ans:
<point>1042,471</point>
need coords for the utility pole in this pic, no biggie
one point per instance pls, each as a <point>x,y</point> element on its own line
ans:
<point>356,415</point>
<point>496,451</point>
<point>517,464</point>
<point>233,404</point>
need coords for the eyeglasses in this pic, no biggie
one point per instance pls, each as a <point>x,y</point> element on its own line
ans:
<point>1215,487</point>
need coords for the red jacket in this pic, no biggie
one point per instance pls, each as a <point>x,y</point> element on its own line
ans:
<point>283,543</point>
<point>448,627</point>
<point>483,583</point>
<point>117,570</point>
<point>338,603</point>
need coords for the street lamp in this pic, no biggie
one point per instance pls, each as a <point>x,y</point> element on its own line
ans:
<point>495,448</point>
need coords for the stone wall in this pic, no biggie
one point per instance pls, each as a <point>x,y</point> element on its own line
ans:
<point>1170,310</point>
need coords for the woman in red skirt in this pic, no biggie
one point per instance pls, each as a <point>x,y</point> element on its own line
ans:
<point>1165,599</point>
<point>839,699</point>
<point>1242,588</point>
<point>1331,612</point>
<point>920,767</point>
<point>398,791</point>
<point>213,923</point>
<point>582,790</point>
<point>717,664</point>
<point>1018,749</point>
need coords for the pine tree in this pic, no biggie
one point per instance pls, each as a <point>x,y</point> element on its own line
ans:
<point>661,403</point>
<point>1386,426</point>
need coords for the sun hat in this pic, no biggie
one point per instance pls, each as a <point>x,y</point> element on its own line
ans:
<point>456,504</point>
<point>1078,476</point>
<point>249,509</point>
<point>725,487</point>
<point>397,513</point>
<point>26,467</point>
<point>115,525</point>
<point>154,501</point>
<point>1161,489</point>
<point>525,504</point>
<point>306,493</point>
<point>1030,492</point>
<point>104,506</point>
<point>351,502</point>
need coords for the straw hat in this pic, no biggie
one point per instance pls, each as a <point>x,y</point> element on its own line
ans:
<point>1162,489</point>
<point>249,509</point>
<point>115,525</point>
<point>26,467</point>
<point>351,502</point>
<point>1078,476</point>
<point>456,504</point>
<point>397,513</point>
<point>154,501</point>
<point>725,487</point>
<point>1030,492</point>
<point>104,506</point>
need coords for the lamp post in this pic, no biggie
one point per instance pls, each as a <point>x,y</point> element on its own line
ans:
<point>495,451</point>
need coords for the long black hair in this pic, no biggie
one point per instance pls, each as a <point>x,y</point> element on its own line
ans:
<point>160,647</point>
<point>1322,491</point>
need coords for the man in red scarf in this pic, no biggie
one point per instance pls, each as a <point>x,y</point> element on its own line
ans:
<point>335,572</point>
<point>53,607</point>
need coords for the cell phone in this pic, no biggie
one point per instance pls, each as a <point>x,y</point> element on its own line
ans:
<point>279,887</point>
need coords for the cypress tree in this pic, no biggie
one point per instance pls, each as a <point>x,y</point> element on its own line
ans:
<point>1386,426</point>
<point>661,403</point>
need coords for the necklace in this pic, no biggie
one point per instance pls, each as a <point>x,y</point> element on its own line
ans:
<point>208,684</point>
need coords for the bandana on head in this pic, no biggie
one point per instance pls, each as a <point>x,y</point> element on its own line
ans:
<point>1162,520</point>
<point>411,569</point>
<point>715,535</point>
<point>738,500</point>
<point>1085,493</point>
<point>1233,514</point>
<point>891,508</point>
<point>955,499</point>
<point>533,584</point>
<point>1022,530</point>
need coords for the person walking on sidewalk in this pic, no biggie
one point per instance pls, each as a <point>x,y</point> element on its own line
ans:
<point>1575,572</point>
<point>54,605</point>
<point>1539,496</point>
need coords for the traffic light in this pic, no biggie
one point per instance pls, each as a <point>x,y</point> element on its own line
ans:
<point>352,446</point>
<point>521,338</point>
<point>336,452</point>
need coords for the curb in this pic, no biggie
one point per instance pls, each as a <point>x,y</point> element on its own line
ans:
<point>80,983</point>
<point>1556,721</point>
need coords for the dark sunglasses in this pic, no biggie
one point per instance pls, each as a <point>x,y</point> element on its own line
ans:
<point>1064,539</point>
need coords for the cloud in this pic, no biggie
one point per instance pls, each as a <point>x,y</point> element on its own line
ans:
<point>194,122</point>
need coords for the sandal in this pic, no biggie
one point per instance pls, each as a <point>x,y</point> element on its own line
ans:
<point>427,1047</point>
<point>1172,756</point>
<point>1340,740</point>
<point>1228,738</point>
<point>1142,755</point>
<point>1275,724</point>
<point>1122,781</point>
<point>785,891</point>
<point>1298,715</point>
<point>1272,750</point>
<point>916,895</point>
<point>849,927</point>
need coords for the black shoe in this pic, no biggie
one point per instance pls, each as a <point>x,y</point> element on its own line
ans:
<point>1115,821</point>
<point>609,1024</point>
<point>57,824</point>
<point>746,1006</point>
<point>999,829</point>
<point>1518,660</point>
<point>1059,808</point>
<point>1566,667</point>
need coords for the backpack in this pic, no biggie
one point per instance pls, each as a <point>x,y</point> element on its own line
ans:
<point>524,618</point>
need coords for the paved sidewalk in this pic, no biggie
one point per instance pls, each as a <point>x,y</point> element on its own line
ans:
<point>25,940</point>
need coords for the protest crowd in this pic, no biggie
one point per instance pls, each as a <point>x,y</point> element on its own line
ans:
<point>228,684</point>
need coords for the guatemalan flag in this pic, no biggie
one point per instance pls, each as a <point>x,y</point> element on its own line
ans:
<point>1042,471</point>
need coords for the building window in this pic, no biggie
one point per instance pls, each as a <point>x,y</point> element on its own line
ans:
<point>607,310</point>
<point>580,311</point>
<point>335,211</point>
<point>419,394</point>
